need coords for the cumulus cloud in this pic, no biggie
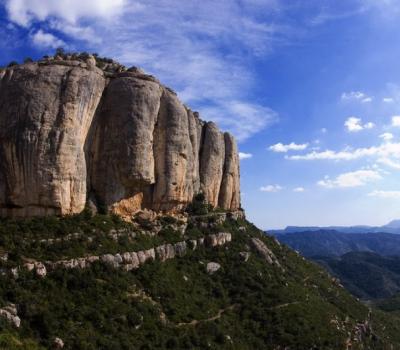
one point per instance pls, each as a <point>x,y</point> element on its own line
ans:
<point>46,40</point>
<point>271,188</point>
<point>356,96</point>
<point>385,194</point>
<point>388,100</point>
<point>282,148</point>
<point>299,189</point>
<point>387,136</point>
<point>243,155</point>
<point>351,179</point>
<point>354,124</point>
<point>396,121</point>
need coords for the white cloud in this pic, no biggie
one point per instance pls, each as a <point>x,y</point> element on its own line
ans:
<point>202,50</point>
<point>387,136</point>
<point>366,100</point>
<point>324,130</point>
<point>24,12</point>
<point>388,100</point>
<point>46,40</point>
<point>271,188</point>
<point>356,96</point>
<point>396,121</point>
<point>354,124</point>
<point>351,179</point>
<point>299,189</point>
<point>243,155</point>
<point>385,194</point>
<point>389,150</point>
<point>281,148</point>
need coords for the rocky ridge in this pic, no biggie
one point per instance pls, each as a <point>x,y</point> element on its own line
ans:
<point>72,133</point>
<point>129,260</point>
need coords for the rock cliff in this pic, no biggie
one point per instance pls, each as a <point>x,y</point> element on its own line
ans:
<point>71,132</point>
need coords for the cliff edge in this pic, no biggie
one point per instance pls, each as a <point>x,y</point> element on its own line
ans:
<point>71,132</point>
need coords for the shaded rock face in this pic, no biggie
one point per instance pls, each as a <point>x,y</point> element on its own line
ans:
<point>70,133</point>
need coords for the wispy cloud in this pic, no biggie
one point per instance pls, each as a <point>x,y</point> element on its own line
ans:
<point>271,188</point>
<point>299,189</point>
<point>282,148</point>
<point>351,179</point>
<point>389,162</point>
<point>385,194</point>
<point>385,150</point>
<point>358,96</point>
<point>203,50</point>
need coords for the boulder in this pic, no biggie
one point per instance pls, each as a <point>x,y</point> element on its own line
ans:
<point>40,269</point>
<point>212,267</point>
<point>10,314</point>
<point>58,343</point>
<point>180,248</point>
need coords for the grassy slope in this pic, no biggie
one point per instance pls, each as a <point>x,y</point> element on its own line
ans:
<point>176,304</point>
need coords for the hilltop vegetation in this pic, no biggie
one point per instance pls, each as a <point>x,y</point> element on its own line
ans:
<point>248,303</point>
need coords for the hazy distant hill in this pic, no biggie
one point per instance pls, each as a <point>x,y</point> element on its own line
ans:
<point>367,264</point>
<point>334,243</point>
<point>391,227</point>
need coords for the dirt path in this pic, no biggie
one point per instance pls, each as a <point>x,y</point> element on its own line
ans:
<point>216,317</point>
<point>284,305</point>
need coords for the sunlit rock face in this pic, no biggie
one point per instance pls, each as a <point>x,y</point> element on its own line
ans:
<point>71,132</point>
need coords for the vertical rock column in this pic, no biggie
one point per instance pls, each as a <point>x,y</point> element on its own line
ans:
<point>122,159</point>
<point>229,196</point>
<point>45,114</point>
<point>212,163</point>
<point>174,156</point>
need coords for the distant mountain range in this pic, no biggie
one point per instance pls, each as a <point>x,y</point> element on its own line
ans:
<point>391,227</point>
<point>367,264</point>
<point>333,243</point>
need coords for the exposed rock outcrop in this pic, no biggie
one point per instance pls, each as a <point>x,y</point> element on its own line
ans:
<point>129,260</point>
<point>265,252</point>
<point>9,313</point>
<point>71,133</point>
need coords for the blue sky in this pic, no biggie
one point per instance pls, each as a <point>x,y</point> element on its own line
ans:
<point>311,88</point>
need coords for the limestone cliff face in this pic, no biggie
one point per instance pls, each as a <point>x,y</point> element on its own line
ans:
<point>70,132</point>
<point>45,115</point>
